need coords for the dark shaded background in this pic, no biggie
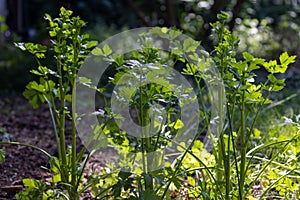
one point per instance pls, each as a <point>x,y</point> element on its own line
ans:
<point>266,27</point>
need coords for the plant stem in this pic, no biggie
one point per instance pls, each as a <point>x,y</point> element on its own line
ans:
<point>275,163</point>
<point>243,148</point>
<point>74,153</point>
<point>62,118</point>
<point>74,145</point>
<point>141,118</point>
<point>225,154</point>
<point>52,107</point>
<point>28,145</point>
<point>233,147</point>
<point>222,154</point>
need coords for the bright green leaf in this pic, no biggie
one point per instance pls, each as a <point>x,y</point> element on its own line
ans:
<point>256,133</point>
<point>27,182</point>
<point>106,50</point>
<point>161,32</point>
<point>191,181</point>
<point>223,16</point>
<point>247,56</point>
<point>174,33</point>
<point>97,51</point>
<point>177,125</point>
<point>190,45</point>
<point>285,59</point>
<point>85,80</point>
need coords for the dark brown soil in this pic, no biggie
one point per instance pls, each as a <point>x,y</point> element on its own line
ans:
<point>30,126</point>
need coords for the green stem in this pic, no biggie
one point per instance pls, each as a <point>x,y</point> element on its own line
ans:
<point>233,147</point>
<point>52,106</point>
<point>158,135</point>
<point>81,171</point>
<point>74,153</point>
<point>284,166</point>
<point>227,167</point>
<point>28,145</point>
<point>143,142</point>
<point>223,155</point>
<point>74,144</point>
<point>256,116</point>
<point>62,119</point>
<point>243,148</point>
<point>54,120</point>
<point>140,116</point>
<point>219,154</point>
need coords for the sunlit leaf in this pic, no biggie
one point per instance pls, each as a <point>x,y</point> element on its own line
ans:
<point>106,50</point>
<point>285,59</point>
<point>97,51</point>
<point>247,56</point>
<point>190,45</point>
<point>177,125</point>
<point>27,182</point>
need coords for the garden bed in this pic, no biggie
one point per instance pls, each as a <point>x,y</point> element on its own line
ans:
<point>30,126</point>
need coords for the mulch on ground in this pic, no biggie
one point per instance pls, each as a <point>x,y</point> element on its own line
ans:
<point>30,126</point>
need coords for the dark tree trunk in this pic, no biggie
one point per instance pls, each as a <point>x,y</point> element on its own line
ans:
<point>235,13</point>
<point>171,18</point>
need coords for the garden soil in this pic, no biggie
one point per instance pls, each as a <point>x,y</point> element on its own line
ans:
<point>31,126</point>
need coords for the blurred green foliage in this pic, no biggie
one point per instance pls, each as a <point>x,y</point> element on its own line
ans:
<point>14,65</point>
<point>266,28</point>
